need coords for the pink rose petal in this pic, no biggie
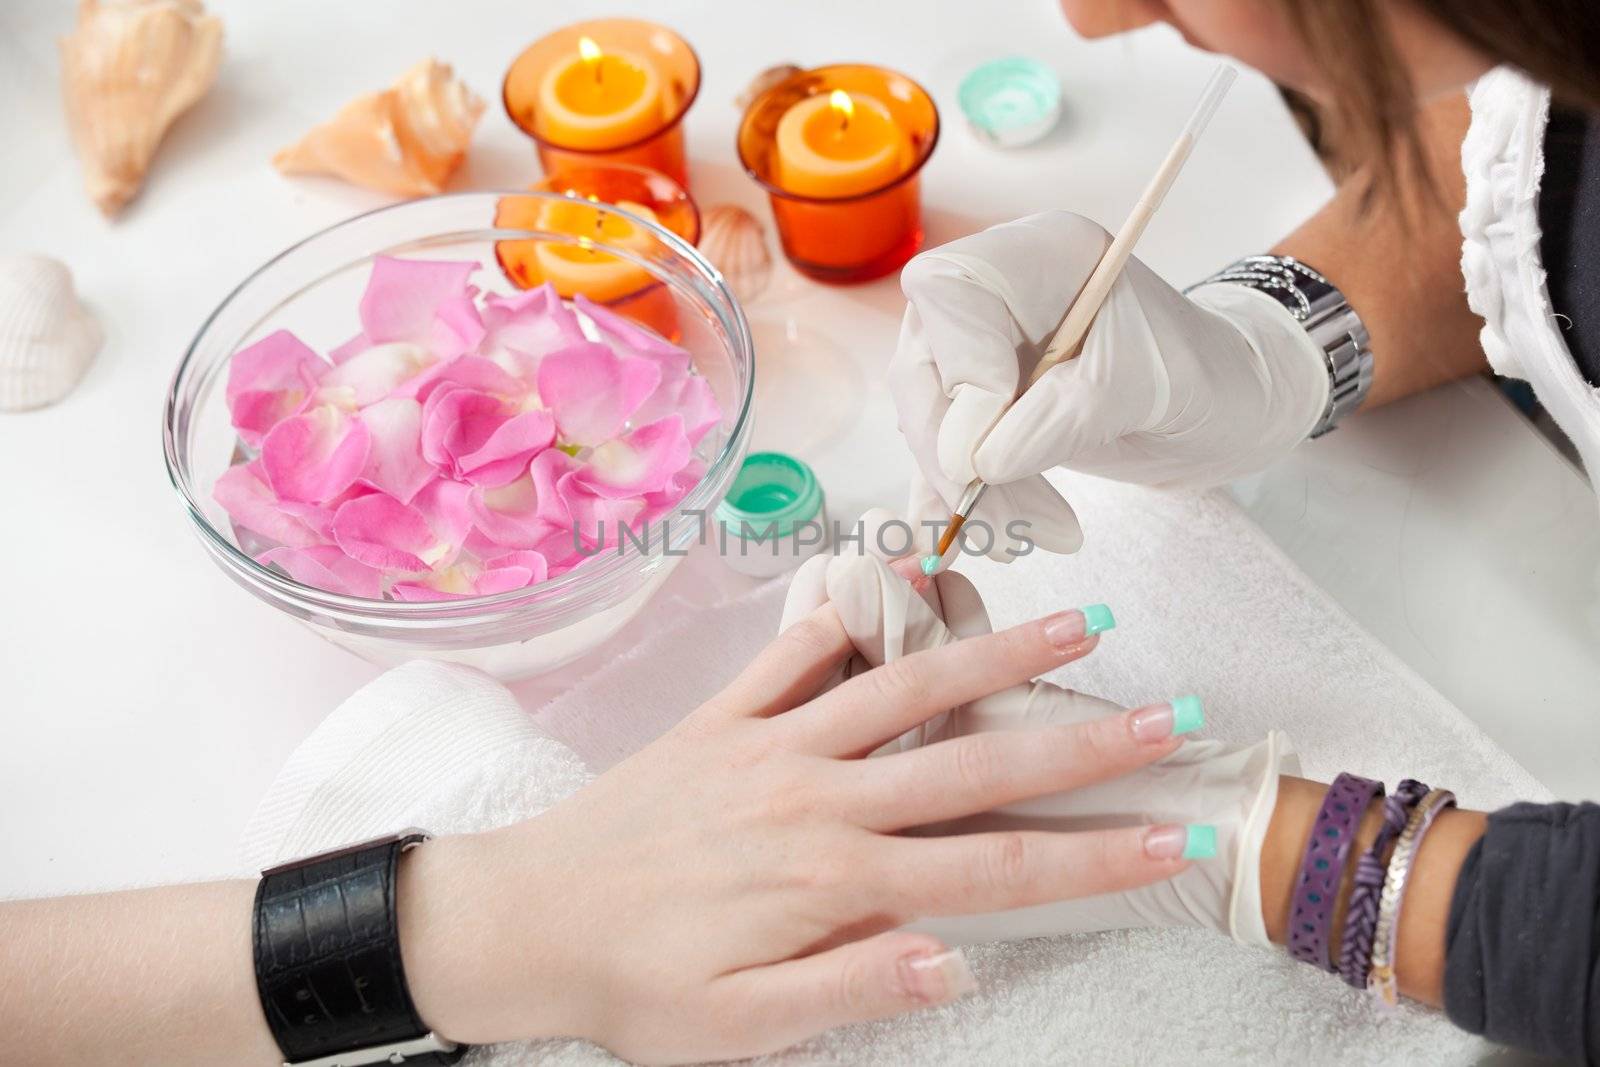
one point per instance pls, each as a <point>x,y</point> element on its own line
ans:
<point>381,532</point>
<point>252,506</point>
<point>470,372</point>
<point>353,347</point>
<point>517,515</point>
<point>403,297</point>
<point>457,422</point>
<point>394,462</point>
<point>640,462</point>
<point>268,382</point>
<point>445,505</point>
<point>690,397</point>
<point>315,456</point>
<point>326,567</point>
<point>665,500</point>
<point>597,520</point>
<point>457,327</point>
<point>592,391</point>
<point>628,338</point>
<point>520,329</point>
<point>373,374</point>
<point>509,450</point>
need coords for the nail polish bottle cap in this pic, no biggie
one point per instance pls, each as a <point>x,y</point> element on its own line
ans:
<point>774,516</point>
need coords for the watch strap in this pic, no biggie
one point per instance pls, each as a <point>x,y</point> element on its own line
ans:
<point>326,944</point>
<point>1319,306</point>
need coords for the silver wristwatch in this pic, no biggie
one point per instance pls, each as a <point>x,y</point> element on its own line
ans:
<point>1327,317</point>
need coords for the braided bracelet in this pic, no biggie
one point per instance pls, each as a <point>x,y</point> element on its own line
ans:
<point>1382,980</point>
<point>1361,914</point>
<point>1322,867</point>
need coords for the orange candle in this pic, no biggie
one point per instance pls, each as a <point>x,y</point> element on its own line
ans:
<point>589,265</point>
<point>839,150</point>
<point>837,145</point>
<point>605,91</point>
<point>599,99</point>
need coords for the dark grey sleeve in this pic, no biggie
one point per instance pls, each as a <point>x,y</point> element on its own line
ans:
<point>1522,950</point>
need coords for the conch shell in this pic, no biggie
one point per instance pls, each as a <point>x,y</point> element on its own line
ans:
<point>47,338</point>
<point>406,140</point>
<point>736,244</point>
<point>128,70</point>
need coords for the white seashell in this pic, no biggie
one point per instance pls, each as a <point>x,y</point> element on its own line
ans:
<point>47,338</point>
<point>736,244</point>
<point>128,70</point>
<point>406,140</point>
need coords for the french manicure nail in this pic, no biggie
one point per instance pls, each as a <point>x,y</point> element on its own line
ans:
<point>1196,841</point>
<point>1064,630</point>
<point>1187,714</point>
<point>1097,618</point>
<point>940,977</point>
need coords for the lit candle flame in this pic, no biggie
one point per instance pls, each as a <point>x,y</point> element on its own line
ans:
<point>840,101</point>
<point>590,53</point>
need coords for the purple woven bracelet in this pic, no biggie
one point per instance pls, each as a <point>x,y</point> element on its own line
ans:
<point>1332,835</point>
<point>1366,885</point>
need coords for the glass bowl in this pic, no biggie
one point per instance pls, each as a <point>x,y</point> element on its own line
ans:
<point>313,289</point>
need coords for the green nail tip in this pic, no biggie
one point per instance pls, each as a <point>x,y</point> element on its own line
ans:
<point>1187,714</point>
<point>930,564</point>
<point>1202,842</point>
<point>1097,618</point>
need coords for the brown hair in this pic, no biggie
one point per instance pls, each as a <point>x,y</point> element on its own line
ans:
<point>1374,105</point>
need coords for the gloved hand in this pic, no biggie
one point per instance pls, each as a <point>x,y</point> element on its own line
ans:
<point>1168,390</point>
<point>1231,787</point>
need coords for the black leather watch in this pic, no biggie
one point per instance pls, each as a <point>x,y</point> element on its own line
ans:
<point>326,940</point>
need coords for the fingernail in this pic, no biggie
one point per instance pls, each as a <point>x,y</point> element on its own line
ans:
<point>1187,714</point>
<point>940,977</point>
<point>1064,630</point>
<point>1196,841</point>
<point>1097,618</point>
<point>930,563</point>
<point>1151,724</point>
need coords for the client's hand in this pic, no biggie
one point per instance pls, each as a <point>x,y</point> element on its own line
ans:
<point>1169,389</point>
<point>736,886</point>
<point>1230,787</point>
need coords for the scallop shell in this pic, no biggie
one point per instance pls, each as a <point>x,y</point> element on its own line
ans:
<point>736,244</point>
<point>47,338</point>
<point>406,140</point>
<point>764,81</point>
<point>128,70</point>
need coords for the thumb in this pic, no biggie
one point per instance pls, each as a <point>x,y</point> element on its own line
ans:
<point>883,976</point>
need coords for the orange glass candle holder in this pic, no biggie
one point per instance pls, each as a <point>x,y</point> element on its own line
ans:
<point>605,91</point>
<point>626,287</point>
<point>839,150</point>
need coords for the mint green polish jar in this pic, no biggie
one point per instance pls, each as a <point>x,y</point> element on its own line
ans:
<point>1011,102</point>
<point>773,518</point>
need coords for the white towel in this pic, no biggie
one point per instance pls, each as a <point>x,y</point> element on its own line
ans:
<point>1204,604</point>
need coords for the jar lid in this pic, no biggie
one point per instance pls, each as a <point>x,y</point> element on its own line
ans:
<point>1011,102</point>
<point>771,495</point>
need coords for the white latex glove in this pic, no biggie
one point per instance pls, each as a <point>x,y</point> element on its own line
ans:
<point>1233,788</point>
<point>1168,390</point>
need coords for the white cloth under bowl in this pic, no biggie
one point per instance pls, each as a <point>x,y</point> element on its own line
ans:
<point>1204,603</point>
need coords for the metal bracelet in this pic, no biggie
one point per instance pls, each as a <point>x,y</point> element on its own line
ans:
<point>1382,978</point>
<point>1326,315</point>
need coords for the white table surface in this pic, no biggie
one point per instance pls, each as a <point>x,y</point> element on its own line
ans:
<point>146,702</point>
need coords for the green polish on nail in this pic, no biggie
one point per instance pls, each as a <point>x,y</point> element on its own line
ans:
<point>1097,618</point>
<point>1187,714</point>
<point>1202,842</point>
<point>930,564</point>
